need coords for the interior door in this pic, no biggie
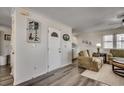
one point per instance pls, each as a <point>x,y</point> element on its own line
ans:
<point>66,48</point>
<point>54,50</point>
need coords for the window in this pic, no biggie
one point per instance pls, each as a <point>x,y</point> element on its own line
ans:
<point>108,41</point>
<point>120,41</point>
<point>113,41</point>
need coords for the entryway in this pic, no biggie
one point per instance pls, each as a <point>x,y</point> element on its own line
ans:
<point>5,51</point>
<point>6,77</point>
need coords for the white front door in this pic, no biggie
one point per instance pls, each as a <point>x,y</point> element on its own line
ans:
<point>54,50</point>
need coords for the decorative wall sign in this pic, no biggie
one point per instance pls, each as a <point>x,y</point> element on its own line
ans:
<point>54,34</point>
<point>87,42</point>
<point>7,37</point>
<point>66,37</point>
<point>33,31</point>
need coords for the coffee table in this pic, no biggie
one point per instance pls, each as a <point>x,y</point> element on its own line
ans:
<point>118,66</point>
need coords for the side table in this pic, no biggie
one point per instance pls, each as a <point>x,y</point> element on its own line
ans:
<point>104,55</point>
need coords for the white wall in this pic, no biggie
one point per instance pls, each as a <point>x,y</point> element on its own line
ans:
<point>31,60</point>
<point>96,37</point>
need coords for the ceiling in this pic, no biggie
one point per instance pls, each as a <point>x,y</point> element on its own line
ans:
<point>83,18</point>
<point>79,18</point>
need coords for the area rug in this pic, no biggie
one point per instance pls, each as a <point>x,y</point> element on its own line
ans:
<point>105,75</point>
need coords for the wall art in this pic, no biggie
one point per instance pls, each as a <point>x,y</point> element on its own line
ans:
<point>7,37</point>
<point>66,37</point>
<point>86,42</point>
<point>33,31</point>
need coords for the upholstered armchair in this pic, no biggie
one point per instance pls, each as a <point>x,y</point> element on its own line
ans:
<point>109,58</point>
<point>88,62</point>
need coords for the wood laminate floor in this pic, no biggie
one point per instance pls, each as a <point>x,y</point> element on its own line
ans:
<point>5,78</point>
<point>67,76</point>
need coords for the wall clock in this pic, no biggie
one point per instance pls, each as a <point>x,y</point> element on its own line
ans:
<point>66,37</point>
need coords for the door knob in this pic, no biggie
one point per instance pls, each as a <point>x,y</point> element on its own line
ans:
<point>12,52</point>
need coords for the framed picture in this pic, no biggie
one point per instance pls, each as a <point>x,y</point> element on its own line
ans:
<point>7,37</point>
<point>86,42</point>
<point>33,31</point>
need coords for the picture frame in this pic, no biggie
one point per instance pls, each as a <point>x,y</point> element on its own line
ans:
<point>86,42</point>
<point>7,37</point>
<point>33,31</point>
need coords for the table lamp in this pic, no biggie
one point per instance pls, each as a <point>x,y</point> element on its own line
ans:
<point>98,45</point>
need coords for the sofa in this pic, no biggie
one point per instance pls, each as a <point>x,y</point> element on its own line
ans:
<point>114,53</point>
<point>86,60</point>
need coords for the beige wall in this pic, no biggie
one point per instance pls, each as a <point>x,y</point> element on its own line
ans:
<point>96,37</point>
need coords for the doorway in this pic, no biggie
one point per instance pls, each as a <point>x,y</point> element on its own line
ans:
<point>5,46</point>
<point>54,49</point>
<point>5,51</point>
